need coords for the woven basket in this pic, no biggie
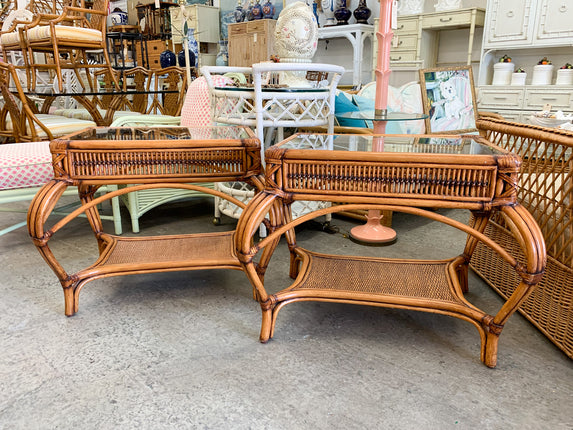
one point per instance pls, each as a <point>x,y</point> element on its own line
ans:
<point>546,190</point>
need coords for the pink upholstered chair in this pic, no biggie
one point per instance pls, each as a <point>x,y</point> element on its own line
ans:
<point>24,168</point>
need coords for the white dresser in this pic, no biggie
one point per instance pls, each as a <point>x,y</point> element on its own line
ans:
<point>527,31</point>
<point>416,40</point>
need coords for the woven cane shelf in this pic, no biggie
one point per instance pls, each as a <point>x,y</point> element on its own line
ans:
<point>152,158</point>
<point>405,174</point>
<point>546,191</point>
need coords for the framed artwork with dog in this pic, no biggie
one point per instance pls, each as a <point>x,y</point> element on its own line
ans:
<point>448,97</point>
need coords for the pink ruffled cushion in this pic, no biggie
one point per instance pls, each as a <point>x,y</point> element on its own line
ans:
<point>24,165</point>
<point>196,110</point>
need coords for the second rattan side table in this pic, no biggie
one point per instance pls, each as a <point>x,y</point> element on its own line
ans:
<point>412,175</point>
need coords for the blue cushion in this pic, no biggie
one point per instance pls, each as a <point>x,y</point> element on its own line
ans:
<point>343,105</point>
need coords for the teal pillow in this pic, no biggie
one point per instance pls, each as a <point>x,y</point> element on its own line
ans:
<point>365,104</point>
<point>343,105</point>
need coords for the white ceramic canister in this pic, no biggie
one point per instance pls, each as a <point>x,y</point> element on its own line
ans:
<point>564,77</point>
<point>502,73</point>
<point>518,78</point>
<point>542,74</point>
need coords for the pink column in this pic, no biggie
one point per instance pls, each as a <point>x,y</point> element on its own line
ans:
<point>373,231</point>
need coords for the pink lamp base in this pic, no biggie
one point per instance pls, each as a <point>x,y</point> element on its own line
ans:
<point>373,232</point>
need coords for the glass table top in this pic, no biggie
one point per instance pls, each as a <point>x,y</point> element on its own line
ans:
<point>168,133</point>
<point>429,144</point>
<point>370,115</point>
<point>275,89</point>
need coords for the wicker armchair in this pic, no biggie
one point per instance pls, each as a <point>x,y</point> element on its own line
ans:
<point>546,190</point>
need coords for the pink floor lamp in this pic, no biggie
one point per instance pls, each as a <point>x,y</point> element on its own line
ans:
<point>373,231</point>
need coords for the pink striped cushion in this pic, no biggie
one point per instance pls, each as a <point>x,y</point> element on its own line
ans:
<point>24,165</point>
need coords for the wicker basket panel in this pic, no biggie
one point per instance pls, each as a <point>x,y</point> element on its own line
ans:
<point>550,306</point>
<point>396,179</point>
<point>153,163</point>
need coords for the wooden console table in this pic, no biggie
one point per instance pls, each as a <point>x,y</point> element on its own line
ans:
<point>172,157</point>
<point>409,174</point>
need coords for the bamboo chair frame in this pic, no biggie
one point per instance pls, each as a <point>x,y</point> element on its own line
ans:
<point>93,18</point>
<point>22,115</point>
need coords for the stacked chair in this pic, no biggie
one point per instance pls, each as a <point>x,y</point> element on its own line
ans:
<point>57,36</point>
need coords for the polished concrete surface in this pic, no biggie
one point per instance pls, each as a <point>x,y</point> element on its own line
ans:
<point>181,351</point>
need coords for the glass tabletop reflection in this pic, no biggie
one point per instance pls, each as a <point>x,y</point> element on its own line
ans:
<point>370,115</point>
<point>430,144</point>
<point>168,133</point>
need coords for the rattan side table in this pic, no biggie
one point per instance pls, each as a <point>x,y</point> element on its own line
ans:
<point>151,158</point>
<point>412,174</point>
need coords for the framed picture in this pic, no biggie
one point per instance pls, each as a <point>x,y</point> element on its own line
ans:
<point>448,96</point>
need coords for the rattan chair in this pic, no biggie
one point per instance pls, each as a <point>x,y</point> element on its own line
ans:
<point>20,121</point>
<point>68,38</point>
<point>546,191</point>
<point>169,79</point>
<point>12,36</point>
<point>139,79</point>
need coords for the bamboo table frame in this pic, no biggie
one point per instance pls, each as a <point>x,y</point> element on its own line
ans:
<point>413,173</point>
<point>171,157</point>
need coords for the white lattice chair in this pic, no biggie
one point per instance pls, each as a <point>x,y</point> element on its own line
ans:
<point>274,108</point>
<point>268,107</point>
<point>24,168</point>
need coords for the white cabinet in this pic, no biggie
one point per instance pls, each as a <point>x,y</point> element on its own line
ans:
<point>527,31</point>
<point>555,22</point>
<point>529,22</point>
<point>508,22</point>
<point>205,21</point>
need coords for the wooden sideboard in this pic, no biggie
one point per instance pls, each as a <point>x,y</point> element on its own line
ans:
<point>251,42</point>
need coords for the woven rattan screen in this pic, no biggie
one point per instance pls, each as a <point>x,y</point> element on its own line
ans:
<point>546,190</point>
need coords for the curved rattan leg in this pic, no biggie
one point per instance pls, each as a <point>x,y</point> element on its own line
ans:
<point>489,350</point>
<point>70,300</point>
<point>267,324</point>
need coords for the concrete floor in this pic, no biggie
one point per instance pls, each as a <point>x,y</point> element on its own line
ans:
<point>181,350</point>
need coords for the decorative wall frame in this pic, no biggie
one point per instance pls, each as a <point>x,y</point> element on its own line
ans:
<point>448,97</point>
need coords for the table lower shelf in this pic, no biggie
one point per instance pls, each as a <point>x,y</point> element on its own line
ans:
<point>135,255</point>
<point>435,286</point>
<point>202,250</point>
<point>416,284</point>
